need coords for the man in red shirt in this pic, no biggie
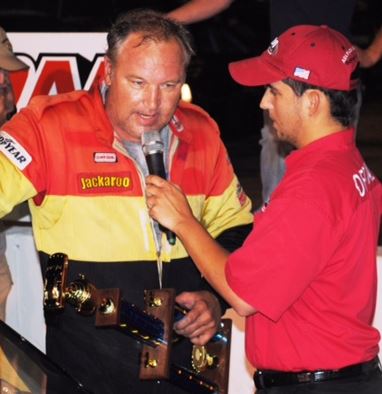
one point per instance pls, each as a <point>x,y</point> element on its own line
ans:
<point>305,278</point>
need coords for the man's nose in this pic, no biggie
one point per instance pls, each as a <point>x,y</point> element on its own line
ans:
<point>152,97</point>
<point>265,102</point>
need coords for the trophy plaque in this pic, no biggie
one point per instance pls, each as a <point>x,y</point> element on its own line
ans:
<point>151,326</point>
<point>155,361</point>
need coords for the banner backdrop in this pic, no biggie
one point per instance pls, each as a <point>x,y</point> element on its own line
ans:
<point>58,62</point>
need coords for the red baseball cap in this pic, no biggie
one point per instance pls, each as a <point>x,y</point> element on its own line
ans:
<point>317,55</point>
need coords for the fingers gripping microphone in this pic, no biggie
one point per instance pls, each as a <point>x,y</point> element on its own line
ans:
<point>152,146</point>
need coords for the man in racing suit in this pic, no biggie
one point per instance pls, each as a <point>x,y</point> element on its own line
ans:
<point>77,158</point>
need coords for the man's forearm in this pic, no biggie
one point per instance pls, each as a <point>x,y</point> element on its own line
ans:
<point>198,10</point>
<point>210,258</point>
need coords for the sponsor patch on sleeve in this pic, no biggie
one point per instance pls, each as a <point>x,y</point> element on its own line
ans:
<point>242,197</point>
<point>14,151</point>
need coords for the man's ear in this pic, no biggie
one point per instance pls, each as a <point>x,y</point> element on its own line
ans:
<point>108,70</point>
<point>313,101</point>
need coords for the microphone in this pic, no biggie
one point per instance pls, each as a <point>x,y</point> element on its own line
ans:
<point>152,146</point>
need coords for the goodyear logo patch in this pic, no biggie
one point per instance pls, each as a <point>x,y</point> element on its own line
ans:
<point>104,183</point>
<point>14,151</point>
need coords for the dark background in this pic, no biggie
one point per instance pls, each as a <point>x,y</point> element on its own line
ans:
<point>240,31</point>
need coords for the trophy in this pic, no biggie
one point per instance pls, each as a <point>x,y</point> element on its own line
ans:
<point>151,326</point>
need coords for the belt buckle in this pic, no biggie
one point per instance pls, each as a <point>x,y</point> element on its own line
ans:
<point>304,377</point>
<point>259,380</point>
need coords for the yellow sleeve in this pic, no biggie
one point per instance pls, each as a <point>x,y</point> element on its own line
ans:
<point>15,188</point>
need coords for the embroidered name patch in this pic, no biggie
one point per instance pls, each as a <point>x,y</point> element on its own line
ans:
<point>103,183</point>
<point>14,151</point>
<point>105,157</point>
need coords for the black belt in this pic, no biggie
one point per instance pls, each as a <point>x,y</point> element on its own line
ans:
<point>265,378</point>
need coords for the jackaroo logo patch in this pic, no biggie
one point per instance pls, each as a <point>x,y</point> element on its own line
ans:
<point>14,151</point>
<point>103,183</point>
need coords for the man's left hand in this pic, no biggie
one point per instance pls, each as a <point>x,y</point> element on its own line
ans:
<point>202,321</point>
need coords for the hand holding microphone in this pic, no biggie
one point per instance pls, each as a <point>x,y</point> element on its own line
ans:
<point>152,146</point>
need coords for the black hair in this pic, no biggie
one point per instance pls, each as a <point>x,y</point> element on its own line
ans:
<point>343,104</point>
<point>153,26</point>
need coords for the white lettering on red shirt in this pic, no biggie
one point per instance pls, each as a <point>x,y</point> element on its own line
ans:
<point>362,179</point>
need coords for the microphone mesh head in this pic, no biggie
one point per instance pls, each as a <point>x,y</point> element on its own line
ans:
<point>151,142</point>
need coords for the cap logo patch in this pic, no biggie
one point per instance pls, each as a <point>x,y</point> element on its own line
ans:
<point>272,49</point>
<point>301,73</point>
<point>349,56</point>
<point>14,151</point>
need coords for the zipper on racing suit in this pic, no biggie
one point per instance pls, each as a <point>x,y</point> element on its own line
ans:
<point>171,144</point>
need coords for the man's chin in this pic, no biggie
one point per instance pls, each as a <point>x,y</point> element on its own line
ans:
<point>279,136</point>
